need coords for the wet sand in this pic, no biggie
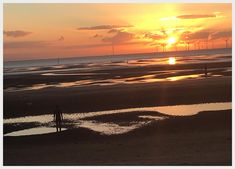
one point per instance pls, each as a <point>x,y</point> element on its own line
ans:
<point>101,73</point>
<point>107,97</point>
<point>202,139</point>
<point>121,96</point>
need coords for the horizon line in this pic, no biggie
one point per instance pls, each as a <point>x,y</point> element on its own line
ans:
<point>76,57</point>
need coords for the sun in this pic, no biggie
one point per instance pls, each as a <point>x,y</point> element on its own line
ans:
<point>171,40</point>
<point>171,61</point>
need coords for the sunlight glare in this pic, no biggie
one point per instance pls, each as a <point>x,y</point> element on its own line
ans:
<point>171,61</point>
<point>171,40</point>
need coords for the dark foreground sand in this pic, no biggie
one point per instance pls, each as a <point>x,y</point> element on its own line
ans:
<point>203,139</point>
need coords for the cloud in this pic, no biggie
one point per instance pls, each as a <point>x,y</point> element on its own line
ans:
<point>49,44</point>
<point>16,34</point>
<point>103,27</point>
<point>61,38</point>
<point>97,36</point>
<point>200,35</point>
<point>25,44</point>
<point>197,16</point>
<point>45,44</point>
<point>120,37</point>
<point>219,35</point>
<point>154,36</point>
<point>71,47</point>
<point>114,30</point>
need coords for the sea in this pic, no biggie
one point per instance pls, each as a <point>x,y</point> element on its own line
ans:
<point>114,58</point>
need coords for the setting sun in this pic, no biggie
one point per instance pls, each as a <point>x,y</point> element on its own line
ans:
<point>171,40</point>
<point>142,29</point>
<point>171,61</point>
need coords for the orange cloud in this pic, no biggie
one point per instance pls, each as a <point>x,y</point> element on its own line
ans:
<point>195,16</point>
<point>101,27</point>
<point>25,44</point>
<point>219,35</point>
<point>97,36</point>
<point>120,37</point>
<point>16,34</point>
<point>113,30</point>
<point>155,36</point>
<point>199,35</point>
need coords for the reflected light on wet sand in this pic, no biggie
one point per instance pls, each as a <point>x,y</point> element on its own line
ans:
<point>33,131</point>
<point>131,80</point>
<point>109,128</point>
<point>78,119</point>
<point>176,110</point>
<point>175,78</point>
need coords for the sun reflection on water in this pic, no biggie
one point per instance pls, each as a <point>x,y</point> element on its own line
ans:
<point>171,61</point>
<point>175,78</point>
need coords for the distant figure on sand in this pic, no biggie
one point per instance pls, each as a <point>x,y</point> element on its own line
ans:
<point>206,70</point>
<point>58,117</point>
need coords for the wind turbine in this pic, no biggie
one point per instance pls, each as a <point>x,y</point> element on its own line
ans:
<point>206,42</point>
<point>156,48</point>
<point>212,44</point>
<point>198,44</point>
<point>195,45</point>
<point>226,41</point>
<point>176,47</point>
<point>113,49</point>
<point>202,45</point>
<point>163,47</point>
<point>188,43</point>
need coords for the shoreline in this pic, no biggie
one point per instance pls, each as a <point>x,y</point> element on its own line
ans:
<point>206,140</point>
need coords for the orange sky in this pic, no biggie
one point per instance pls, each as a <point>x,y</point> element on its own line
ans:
<point>36,31</point>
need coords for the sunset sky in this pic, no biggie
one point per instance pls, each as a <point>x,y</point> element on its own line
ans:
<point>37,31</point>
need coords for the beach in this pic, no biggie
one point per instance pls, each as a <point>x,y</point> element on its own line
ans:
<point>103,92</point>
<point>150,137</point>
<point>203,139</point>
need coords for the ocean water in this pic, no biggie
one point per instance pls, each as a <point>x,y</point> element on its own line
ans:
<point>113,59</point>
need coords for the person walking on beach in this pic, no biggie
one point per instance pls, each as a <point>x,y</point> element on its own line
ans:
<point>205,70</point>
<point>58,117</point>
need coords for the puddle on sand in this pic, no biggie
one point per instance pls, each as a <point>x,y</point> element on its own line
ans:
<point>109,128</point>
<point>73,74</point>
<point>185,110</point>
<point>151,78</point>
<point>153,117</point>
<point>33,131</point>
<point>77,119</point>
<point>176,110</point>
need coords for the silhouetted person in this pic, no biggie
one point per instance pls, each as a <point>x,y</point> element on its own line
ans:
<point>58,117</point>
<point>206,70</point>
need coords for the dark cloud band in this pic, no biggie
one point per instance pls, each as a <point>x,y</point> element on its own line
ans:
<point>16,34</point>
<point>195,16</point>
<point>103,27</point>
